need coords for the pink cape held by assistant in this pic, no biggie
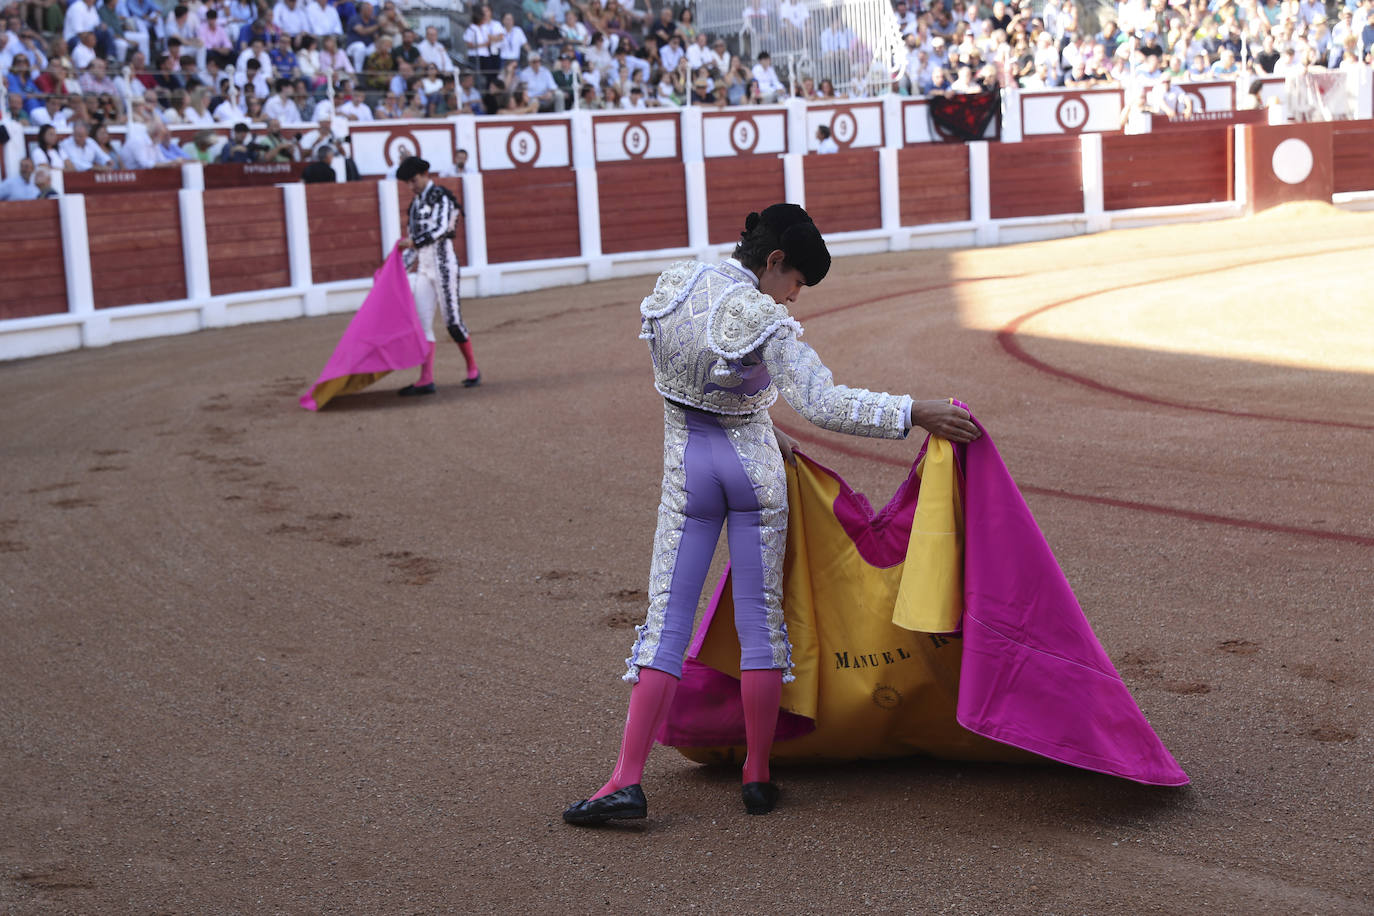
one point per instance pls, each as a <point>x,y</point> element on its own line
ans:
<point>384,336</point>
<point>947,630</point>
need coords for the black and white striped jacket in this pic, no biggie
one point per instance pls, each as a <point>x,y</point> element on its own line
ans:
<point>433,215</point>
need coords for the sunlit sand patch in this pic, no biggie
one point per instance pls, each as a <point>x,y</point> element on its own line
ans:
<point>1308,304</point>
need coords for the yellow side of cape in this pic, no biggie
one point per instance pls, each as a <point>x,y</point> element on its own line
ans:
<point>873,687</point>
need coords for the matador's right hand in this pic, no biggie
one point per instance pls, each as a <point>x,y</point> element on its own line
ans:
<point>944,419</point>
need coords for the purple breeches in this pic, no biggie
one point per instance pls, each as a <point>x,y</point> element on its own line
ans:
<point>718,471</point>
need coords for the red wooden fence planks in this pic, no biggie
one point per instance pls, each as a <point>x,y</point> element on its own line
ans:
<point>842,190</point>
<point>734,187</point>
<point>345,230</point>
<point>246,232</point>
<point>31,260</point>
<point>531,214</point>
<point>135,244</point>
<point>932,182</point>
<point>1166,169</point>
<point>643,205</point>
<point>1353,155</point>
<point>1035,178</point>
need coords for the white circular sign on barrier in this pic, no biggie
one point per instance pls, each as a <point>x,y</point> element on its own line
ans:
<point>1292,161</point>
<point>1071,113</point>
<point>400,145</point>
<point>635,140</point>
<point>744,135</point>
<point>844,128</point>
<point>522,146</point>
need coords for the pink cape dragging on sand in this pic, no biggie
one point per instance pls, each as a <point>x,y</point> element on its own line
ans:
<point>1019,667</point>
<point>384,335</point>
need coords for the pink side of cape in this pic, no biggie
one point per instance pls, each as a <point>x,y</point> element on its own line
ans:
<point>1033,674</point>
<point>384,335</point>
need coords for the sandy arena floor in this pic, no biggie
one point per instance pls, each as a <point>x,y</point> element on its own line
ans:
<point>257,660</point>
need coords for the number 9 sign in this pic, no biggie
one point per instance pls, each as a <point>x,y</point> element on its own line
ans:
<point>523,147</point>
<point>635,140</point>
<point>744,135</point>
<point>844,128</point>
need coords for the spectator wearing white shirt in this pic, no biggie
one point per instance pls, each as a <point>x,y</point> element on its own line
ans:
<point>513,41</point>
<point>21,186</point>
<point>44,149</point>
<point>288,16</point>
<point>719,61</point>
<point>634,99</point>
<point>229,111</point>
<point>282,106</point>
<point>82,16</point>
<point>253,77</point>
<point>83,152</point>
<point>433,52</point>
<point>624,67</point>
<point>906,19</point>
<point>256,50</point>
<point>672,53</point>
<point>770,87</point>
<point>539,83</point>
<point>352,107</point>
<point>699,53</point>
<point>83,52</point>
<point>51,114</point>
<point>323,19</point>
<point>483,43</point>
<point>825,144</point>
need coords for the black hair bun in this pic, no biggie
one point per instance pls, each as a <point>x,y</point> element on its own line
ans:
<point>751,221</point>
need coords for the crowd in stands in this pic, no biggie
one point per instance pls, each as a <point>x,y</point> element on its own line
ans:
<point>269,70</point>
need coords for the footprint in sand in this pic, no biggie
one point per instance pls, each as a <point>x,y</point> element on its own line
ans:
<point>13,546</point>
<point>1187,688</point>
<point>1328,733</point>
<point>109,452</point>
<point>64,485</point>
<point>76,502</point>
<point>1238,646</point>
<point>414,570</point>
<point>628,594</point>
<point>101,468</point>
<point>623,620</point>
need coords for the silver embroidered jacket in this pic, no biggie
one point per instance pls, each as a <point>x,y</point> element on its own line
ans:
<point>720,345</point>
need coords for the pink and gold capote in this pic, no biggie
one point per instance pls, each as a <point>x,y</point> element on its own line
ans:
<point>385,335</point>
<point>947,631</point>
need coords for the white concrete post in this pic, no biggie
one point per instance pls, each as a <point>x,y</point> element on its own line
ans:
<point>193,176</point>
<point>1011,116</point>
<point>889,189</point>
<point>980,194</point>
<point>894,131</point>
<point>389,214</point>
<point>298,247</point>
<point>794,179</point>
<point>474,217</point>
<point>694,168</point>
<point>195,248</point>
<point>465,135</point>
<point>1361,87</point>
<point>588,195</point>
<point>1090,155</point>
<point>1241,167</point>
<point>798,139</point>
<point>76,262</point>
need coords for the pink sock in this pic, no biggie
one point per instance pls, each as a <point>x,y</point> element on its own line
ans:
<point>466,347</point>
<point>761,692</point>
<point>427,369</point>
<point>649,703</point>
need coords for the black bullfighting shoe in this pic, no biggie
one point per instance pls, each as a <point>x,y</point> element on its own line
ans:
<point>473,382</point>
<point>623,804</point>
<point>759,797</point>
<point>411,391</point>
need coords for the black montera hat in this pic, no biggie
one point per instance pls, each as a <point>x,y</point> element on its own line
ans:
<point>798,238</point>
<point>410,167</point>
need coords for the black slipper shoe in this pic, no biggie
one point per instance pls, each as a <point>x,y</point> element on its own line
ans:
<point>759,797</point>
<point>623,804</point>
<point>411,391</point>
<point>473,382</point>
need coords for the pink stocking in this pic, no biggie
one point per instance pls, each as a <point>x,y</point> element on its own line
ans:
<point>466,347</point>
<point>761,692</point>
<point>649,703</point>
<point>427,369</point>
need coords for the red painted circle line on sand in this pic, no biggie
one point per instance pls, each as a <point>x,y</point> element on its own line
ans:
<point>1006,336</point>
